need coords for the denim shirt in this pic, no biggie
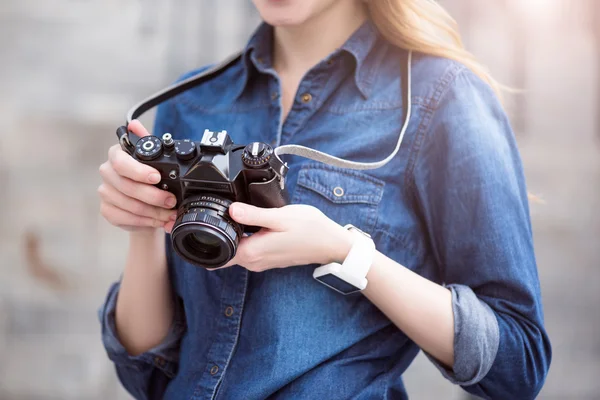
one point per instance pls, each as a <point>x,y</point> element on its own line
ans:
<point>451,206</point>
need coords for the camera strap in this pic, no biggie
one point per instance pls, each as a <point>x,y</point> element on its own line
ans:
<point>319,156</point>
<point>292,149</point>
<point>169,92</point>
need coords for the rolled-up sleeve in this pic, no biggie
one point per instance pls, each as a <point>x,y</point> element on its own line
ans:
<point>476,338</point>
<point>146,375</point>
<point>470,188</point>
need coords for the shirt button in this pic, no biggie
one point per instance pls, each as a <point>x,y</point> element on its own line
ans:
<point>159,361</point>
<point>229,311</point>
<point>274,95</point>
<point>338,191</point>
<point>330,62</point>
<point>306,98</point>
<point>214,370</point>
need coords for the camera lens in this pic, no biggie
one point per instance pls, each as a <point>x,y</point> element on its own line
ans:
<point>205,244</point>
<point>205,240</point>
<point>204,234</point>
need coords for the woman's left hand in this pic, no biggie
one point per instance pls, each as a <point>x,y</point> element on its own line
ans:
<point>291,235</point>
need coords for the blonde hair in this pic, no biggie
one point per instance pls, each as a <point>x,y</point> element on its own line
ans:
<point>426,27</point>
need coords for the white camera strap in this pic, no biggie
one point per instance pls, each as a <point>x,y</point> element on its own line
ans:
<point>292,149</point>
<point>317,155</point>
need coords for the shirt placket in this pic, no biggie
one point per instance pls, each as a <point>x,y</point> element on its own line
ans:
<point>309,95</point>
<point>275,122</point>
<point>225,335</point>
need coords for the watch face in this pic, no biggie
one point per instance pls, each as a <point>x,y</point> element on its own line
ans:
<point>338,284</point>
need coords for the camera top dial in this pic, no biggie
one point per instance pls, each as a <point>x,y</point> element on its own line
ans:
<point>257,155</point>
<point>185,149</point>
<point>148,148</point>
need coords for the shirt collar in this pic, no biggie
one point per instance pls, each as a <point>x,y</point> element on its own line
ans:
<point>359,46</point>
<point>259,50</point>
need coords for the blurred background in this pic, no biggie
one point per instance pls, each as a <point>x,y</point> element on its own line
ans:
<point>70,69</point>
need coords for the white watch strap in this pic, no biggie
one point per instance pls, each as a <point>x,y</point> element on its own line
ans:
<point>360,257</point>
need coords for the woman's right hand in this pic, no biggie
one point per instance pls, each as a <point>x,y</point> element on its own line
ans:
<point>128,198</point>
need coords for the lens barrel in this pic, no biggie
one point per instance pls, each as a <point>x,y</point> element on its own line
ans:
<point>204,234</point>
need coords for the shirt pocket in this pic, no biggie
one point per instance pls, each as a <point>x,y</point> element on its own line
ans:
<point>346,196</point>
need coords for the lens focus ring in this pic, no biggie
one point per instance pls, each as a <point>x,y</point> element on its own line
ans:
<point>193,215</point>
<point>204,234</point>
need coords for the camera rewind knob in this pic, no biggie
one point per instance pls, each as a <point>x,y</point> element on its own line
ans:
<point>148,148</point>
<point>257,155</point>
<point>168,141</point>
<point>185,149</point>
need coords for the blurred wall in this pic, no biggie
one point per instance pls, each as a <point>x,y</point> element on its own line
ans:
<point>69,71</point>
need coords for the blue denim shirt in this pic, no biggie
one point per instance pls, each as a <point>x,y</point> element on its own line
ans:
<point>451,206</point>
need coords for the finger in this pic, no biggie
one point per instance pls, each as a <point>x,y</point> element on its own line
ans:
<point>134,228</point>
<point>231,263</point>
<point>122,218</point>
<point>127,166</point>
<point>137,128</point>
<point>236,260</point>
<point>247,253</point>
<point>145,193</point>
<point>254,252</point>
<point>169,226</point>
<point>246,214</point>
<point>241,257</point>
<point>111,195</point>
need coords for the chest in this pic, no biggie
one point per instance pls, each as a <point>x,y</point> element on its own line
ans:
<point>377,201</point>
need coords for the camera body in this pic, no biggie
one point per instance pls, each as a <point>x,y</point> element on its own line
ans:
<point>213,166</point>
<point>206,177</point>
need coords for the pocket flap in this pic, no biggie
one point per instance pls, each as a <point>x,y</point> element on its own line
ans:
<point>340,185</point>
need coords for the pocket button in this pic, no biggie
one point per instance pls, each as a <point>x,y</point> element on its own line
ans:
<point>338,191</point>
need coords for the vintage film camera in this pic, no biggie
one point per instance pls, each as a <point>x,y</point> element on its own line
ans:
<point>206,178</point>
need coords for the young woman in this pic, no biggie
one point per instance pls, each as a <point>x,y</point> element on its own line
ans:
<point>453,273</point>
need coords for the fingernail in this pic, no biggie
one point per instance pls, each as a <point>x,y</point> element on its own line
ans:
<point>170,202</point>
<point>173,217</point>
<point>154,177</point>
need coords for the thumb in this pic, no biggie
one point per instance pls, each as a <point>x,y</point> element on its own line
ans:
<point>247,214</point>
<point>137,128</point>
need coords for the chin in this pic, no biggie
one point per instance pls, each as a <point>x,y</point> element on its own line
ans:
<point>286,12</point>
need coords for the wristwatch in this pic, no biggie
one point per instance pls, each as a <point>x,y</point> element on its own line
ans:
<point>350,276</point>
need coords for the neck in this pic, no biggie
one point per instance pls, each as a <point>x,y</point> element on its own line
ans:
<point>298,48</point>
